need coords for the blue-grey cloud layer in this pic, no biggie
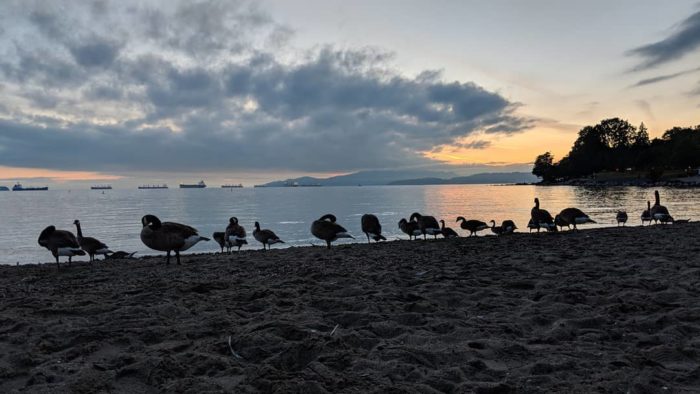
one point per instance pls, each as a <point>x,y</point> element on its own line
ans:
<point>207,90</point>
<point>685,39</point>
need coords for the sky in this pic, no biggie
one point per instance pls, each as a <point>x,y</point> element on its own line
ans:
<point>239,91</point>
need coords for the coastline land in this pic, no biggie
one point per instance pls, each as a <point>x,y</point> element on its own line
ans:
<point>601,310</point>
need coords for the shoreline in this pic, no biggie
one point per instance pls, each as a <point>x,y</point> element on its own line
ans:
<point>609,309</point>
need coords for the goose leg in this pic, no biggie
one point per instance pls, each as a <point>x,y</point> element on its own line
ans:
<point>328,244</point>
<point>177,255</point>
<point>167,259</point>
<point>57,265</point>
<point>367,238</point>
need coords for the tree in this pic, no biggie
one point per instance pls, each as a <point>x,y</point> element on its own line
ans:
<point>544,167</point>
<point>641,139</point>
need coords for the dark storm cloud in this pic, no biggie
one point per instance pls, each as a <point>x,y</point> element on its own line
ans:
<point>684,40</point>
<point>205,95</point>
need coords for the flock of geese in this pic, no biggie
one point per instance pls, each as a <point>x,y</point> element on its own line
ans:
<point>175,237</point>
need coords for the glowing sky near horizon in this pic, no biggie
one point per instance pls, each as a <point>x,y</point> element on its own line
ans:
<point>255,91</point>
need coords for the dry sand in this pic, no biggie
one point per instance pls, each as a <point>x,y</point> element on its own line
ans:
<point>608,310</point>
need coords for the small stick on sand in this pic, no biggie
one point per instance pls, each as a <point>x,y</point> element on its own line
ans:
<point>334,328</point>
<point>236,355</point>
<point>422,273</point>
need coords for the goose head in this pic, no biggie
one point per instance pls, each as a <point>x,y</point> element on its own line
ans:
<point>76,222</point>
<point>537,203</point>
<point>44,236</point>
<point>329,217</point>
<point>257,226</point>
<point>233,220</point>
<point>151,221</point>
<point>460,218</point>
<point>416,216</point>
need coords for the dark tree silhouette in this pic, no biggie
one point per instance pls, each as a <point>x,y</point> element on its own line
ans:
<point>615,145</point>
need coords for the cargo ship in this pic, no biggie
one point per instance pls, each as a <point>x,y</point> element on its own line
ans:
<point>19,188</point>
<point>163,186</point>
<point>238,186</point>
<point>4,189</point>
<point>198,185</point>
<point>101,187</point>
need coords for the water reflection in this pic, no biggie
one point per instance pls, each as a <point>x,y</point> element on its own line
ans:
<point>114,217</point>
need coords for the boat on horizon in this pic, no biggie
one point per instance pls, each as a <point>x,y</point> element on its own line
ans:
<point>198,185</point>
<point>19,188</point>
<point>163,186</point>
<point>238,186</point>
<point>101,187</point>
<point>4,189</point>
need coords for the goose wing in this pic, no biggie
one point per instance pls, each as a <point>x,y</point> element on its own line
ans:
<point>64,239</point>
<point>181,230</point>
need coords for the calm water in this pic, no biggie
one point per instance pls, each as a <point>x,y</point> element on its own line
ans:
<point>115,216</point>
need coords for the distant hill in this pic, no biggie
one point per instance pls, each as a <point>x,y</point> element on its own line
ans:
<point>484,178</point>
<point>404,177</point>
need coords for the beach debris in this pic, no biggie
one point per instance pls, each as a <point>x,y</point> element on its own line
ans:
<point>334,328</point>
<point>236,355</point>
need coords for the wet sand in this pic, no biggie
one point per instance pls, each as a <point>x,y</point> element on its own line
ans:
<point>607,310</point>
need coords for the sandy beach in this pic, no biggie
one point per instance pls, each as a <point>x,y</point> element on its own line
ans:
<point>613,310</point>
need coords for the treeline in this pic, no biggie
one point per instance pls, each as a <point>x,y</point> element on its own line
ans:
<point>616,145</point>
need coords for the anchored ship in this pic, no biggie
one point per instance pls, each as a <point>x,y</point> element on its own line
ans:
<point>101,187</point>
<point>163,186</point>
<point>19,188</point>
<point>198,185</point>
<point>232,186</point>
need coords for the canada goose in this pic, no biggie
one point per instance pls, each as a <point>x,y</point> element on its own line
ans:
<point>120,254</point>
<point>235,234</point>
<point>60,243</point>
<point>646,214</point>
<point>558,221</point>
<point>218,236</point>
<point>168,236</point>
<point>532,225</point>
<point>621,217</point>
<point>325,228</point>
<point>371,227</point>
<point>90,245</point>
<point>446,231</point>
<point>666,219</point>
<point>508,226</point>
<point>265,237</point>
<point>409,228</point>
<point>472,225</point>
<point>658,211</point>
<point>542,217</point>
<point>574,216</point>
<point>498,230</point>
<point>426,224</point>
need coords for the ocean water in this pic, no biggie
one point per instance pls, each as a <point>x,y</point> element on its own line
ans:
<point>114,217</point>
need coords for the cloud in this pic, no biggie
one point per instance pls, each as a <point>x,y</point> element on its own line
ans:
<point>684,39</point>
<point>195,88</point>
<point>646,108</point>
<point>478,144</point>
<point>662,78</point>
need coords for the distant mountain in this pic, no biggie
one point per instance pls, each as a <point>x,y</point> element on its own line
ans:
<point>404,177</point>
<point>484,178</point>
